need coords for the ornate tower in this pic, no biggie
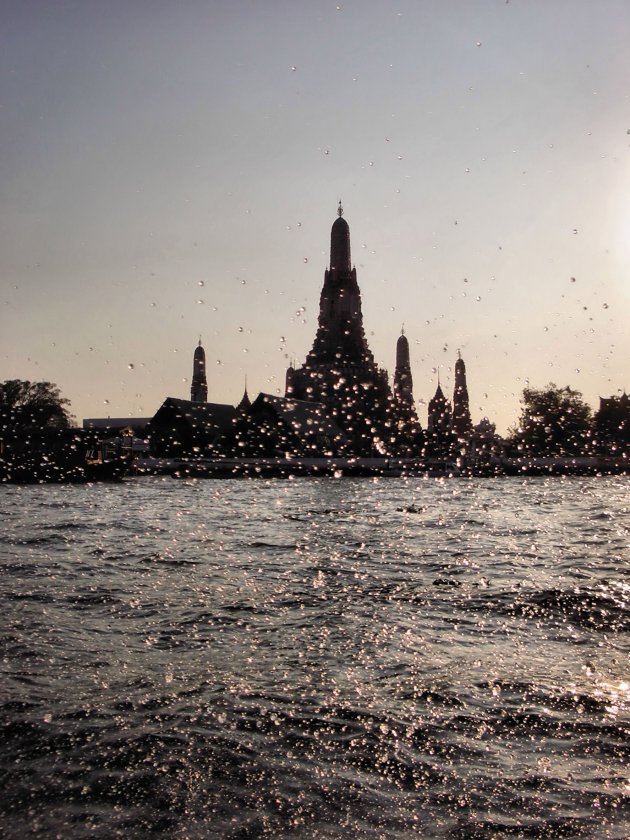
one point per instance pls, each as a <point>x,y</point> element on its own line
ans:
<point>439,417</point>
<point>403,382</point>
<point>340,370</point>
<point>245,402</point>
<point>439,428</point>
<point>462,424</point>
<point>407,423</point>
<point>199,386</point>
<point>340,337</point>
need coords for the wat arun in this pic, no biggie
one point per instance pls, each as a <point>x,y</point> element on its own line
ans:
<point>340,372</point>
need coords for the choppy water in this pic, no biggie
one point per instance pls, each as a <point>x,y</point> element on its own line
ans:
<point>316,658</point>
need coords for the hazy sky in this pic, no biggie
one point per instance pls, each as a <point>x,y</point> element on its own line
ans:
<point>172,169</point>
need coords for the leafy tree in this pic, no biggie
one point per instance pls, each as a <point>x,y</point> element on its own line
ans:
<point>32,405</point>
<point>554,421</point>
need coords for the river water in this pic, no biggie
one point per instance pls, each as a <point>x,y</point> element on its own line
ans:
<point>316,658</point>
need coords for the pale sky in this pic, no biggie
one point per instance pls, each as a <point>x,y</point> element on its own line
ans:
<point>172,170</point>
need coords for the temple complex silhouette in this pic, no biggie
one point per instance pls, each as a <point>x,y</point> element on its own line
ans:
<point>340,372</point>
<point>339,401</point>
<point>339,407</point>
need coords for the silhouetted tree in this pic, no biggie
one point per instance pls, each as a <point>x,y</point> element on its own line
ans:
<point>554,421</point>
<point>32,405</point>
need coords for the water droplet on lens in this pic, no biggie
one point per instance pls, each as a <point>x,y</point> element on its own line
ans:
<point>130,366</point>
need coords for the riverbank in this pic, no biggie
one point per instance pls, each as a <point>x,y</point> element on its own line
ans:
<point>385,467</point>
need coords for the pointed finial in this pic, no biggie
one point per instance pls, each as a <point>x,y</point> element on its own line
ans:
<point>402,330</point>
<point>199,341</point>
<point>340,209</point>
<point>459,353</point>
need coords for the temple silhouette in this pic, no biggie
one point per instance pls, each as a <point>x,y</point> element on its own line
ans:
<point>339,408</point>
<point>340,373</point>
<point>338,402</point>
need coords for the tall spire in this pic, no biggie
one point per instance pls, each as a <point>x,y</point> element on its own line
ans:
<point>245,402</point>
<point>403,405</point>
<point>462,423</point>
<point>340,261</point>
<point>199,385</point>
<point>340,371</point>
<point>340,336</point>
<point>403,382</point>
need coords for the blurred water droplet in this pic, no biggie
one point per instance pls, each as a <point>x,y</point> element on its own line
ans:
<point>605,305</point>
<point>305,259</point>
<point>131,366</point>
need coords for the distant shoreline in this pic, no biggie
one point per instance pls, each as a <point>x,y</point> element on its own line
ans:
<point>379,467</point>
